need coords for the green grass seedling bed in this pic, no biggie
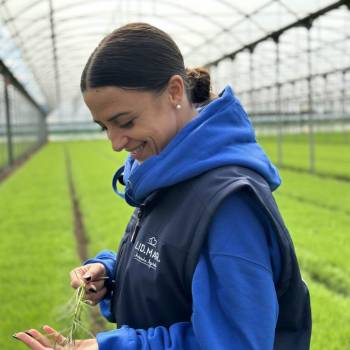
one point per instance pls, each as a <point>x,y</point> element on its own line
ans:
<point>320,237</point>
<point>37,245</point>
<point>42,220</point>
<point>105,214</point>
<point>331,318</point>
<point>320,138</point>
<point>329,159</point>
<point>318,233</point>
<point>329,193</point>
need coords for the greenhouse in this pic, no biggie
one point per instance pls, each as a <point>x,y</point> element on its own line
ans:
<point>287,64</point>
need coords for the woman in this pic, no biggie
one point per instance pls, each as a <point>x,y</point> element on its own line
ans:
<point>206,261</point>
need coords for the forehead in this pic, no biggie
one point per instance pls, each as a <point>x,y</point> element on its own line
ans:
<point>106,101</point>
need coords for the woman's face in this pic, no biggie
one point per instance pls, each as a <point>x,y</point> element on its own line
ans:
<point>141,123</point>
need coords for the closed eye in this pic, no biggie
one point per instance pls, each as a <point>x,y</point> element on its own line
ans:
<point>128,125</point>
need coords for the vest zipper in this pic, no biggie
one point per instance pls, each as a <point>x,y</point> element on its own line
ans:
<point>137,226</point>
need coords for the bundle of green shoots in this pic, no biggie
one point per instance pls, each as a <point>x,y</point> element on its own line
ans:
<point>72,315</point>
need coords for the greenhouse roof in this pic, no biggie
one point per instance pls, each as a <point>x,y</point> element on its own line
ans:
<point>47,42</point>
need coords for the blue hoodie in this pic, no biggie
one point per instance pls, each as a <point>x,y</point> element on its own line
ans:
<point>233,288</point>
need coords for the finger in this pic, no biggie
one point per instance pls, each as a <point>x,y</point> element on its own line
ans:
<point>95,286</point>
<point>87,273</point>
<point>76,276</point>
<point>29,341</point>
<point>95,298</point>
<point>57,336</point>
<point>39,337</point>
<point>95,271</point>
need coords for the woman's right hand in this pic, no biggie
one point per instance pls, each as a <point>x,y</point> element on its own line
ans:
<point>93,277</point>
<point>53,340</point>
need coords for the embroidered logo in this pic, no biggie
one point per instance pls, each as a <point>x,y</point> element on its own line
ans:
<point>152,241</point>
<point>146,253</point>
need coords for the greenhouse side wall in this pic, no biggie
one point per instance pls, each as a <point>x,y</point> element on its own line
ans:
<point>22,122</point>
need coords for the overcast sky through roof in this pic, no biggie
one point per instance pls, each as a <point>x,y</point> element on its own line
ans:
<point>203,30</point>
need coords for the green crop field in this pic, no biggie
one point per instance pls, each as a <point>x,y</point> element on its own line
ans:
<point>332,152</point>
<point>38,247</point>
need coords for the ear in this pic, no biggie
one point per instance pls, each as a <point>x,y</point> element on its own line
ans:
<point>176,89</point>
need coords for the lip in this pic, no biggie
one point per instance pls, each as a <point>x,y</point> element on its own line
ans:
<point>135,148</point>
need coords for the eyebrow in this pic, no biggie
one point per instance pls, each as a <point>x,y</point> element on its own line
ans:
<point>114,117</point>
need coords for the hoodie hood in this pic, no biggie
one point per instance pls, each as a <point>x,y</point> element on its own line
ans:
<point>220,134</point>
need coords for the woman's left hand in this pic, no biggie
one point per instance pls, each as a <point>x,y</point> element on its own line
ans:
<point>53,340</point>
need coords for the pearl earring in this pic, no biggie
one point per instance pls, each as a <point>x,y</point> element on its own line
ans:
<point>178,106</point>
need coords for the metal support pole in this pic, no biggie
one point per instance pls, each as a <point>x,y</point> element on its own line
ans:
<point>325,93</point>
<point>233,71</point>
<point>343,107</point>
<point>325,101</point>
<point>296,107</point>
<point>54,54</point>
<point>278,103</point>
<point>251,81</point>
<point>310,103</point>
<point>10,157</point>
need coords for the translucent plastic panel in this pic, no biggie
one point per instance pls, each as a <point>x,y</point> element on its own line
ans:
<point>54,38</point>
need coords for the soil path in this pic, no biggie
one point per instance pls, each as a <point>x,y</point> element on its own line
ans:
<point>97,322</point>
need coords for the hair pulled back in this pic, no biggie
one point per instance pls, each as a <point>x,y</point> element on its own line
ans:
<point>140,56</point>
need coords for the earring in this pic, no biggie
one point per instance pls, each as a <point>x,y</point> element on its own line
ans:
<point>178,106</point>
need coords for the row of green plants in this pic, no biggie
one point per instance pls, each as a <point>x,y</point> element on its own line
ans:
<point>306,202</point>
<point>105,214</point>
<point>320,238</point>
<point>323,192</point>
<point>332,159</point>
<point>37,247</point>
<point>328,138</point>
<point>317,213</point>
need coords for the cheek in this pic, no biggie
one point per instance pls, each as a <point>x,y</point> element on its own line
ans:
<point>165,133</point>
<point>157,139</point>
<point>163,129</point>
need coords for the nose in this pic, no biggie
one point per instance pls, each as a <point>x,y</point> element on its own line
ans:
<point>118,140</point>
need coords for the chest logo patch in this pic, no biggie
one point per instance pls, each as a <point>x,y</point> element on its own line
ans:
<point>146,253</point>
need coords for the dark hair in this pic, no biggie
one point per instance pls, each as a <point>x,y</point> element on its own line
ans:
<point>142,57</point>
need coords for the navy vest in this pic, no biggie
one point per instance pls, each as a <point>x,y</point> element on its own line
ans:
<point>160,249</point>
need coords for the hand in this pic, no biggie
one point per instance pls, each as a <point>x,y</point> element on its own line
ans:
<point>93,277</point>
<point>54,341</point>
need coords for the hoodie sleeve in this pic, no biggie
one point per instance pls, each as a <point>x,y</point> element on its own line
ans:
<point>108,259</point>
<point>234,300</point>
<point>235,304</point>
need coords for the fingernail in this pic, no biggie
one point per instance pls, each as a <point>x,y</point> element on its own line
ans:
<point>89,302</point>
<point>14,336</point>
<point>87,277</point>
<point>92,289</point>
<point>29,334</point>
<point>46,329</point>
